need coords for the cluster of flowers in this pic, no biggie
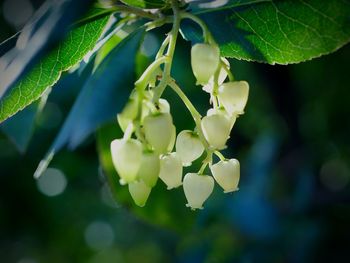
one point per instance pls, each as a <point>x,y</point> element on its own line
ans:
<point>140,162</point>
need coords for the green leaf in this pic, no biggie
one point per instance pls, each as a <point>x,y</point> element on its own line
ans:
<point>101,98</point>
<point>93,14</point>
<point>146,4</point>
<point>78,43</point>
<point>210,6</point>
<point>50,23</point>
<point>19,128</point>
<point>283,32</point>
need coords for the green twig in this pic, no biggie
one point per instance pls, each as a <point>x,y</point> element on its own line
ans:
<point>195,114</point>
<point>227,69</point>
<point>219,154</point>
<point>133,10</point>
<point>206,33</point>
<point>142,82</point>
<point>158,91</point>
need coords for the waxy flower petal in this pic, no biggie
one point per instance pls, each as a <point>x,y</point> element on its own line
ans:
<point>197,189</point>
<point>149,169</point>
<point>189,147</point>
<point>139,192</point>
<point>205,60</point>
<point>159,131</point>
<point>216,129</point>
<point>171,170</point>
<point>234,96</point>
<point>126,156</point>
<point>128,114</point>
<point>226,174</point>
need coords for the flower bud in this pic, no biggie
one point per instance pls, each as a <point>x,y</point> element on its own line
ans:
<point>234,96</point>
<point>216,129</point>
<point>126,156</point>
<point>164,106</point>
<point>197,189</point>
<point>139,192</point>
<point>159,131</point>
<point>128,114</point>
<point>205,60</point>
<point>149,169</point>
<point>189,147</point>
<point>171,170</point>
<point>226,174</point>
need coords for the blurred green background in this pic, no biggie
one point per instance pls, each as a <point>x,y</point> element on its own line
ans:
<point>293,203</point>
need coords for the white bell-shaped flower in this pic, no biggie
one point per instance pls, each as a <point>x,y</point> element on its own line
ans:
<point>159,131</point>
<point>234,96</point>
<point>126,156</point>
<point>197,189</point>
<point>205,60</point>
<point>226,174</point>
<point>171,170</point>
<point>222,111</point>
<point>128,114</point>
<point>189,147</point>
<point>172,140</point>
<point>149,169</point>
<point>216,129</point>
<point>139,192</point>
<point>148,107</point>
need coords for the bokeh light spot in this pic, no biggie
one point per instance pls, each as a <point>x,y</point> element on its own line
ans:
<point>99,235</point>
<point>52,183</point>
<point>17,12</point>
<point>335,175</point>
<point>27,260</point>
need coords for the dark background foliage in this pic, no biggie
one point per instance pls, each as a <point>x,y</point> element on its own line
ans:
<point>293,202</point>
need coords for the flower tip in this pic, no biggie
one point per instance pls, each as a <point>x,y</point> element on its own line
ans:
<point>194,208</point>
<point>122,182</point>
<point>173,186</point>
<point>231,190</point>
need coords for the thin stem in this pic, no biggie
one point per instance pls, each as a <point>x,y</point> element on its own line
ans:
<point>128,132</point>
<point>163,47</point>
<point>201,170</point>
<point>156,23</point>
<point>133,10</point>
<point>195,114</point>
<point>137,121</point>
<point>214,101</point>
<point>142,82</point>
<point>170,52</point>
<point>206,33</point>
<point>214,92</point>
<point>206,161</point>
<point>227,69</point>
<point>219,154</point>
